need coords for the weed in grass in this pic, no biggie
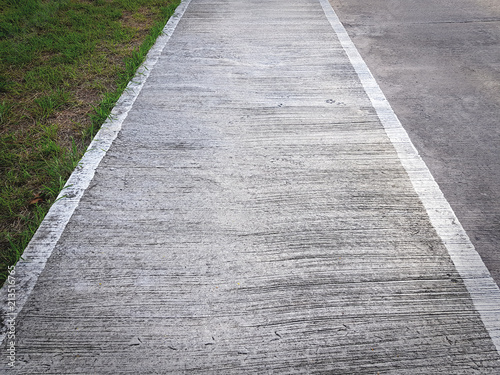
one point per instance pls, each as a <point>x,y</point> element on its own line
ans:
<point>4,111</point>
<point>73,46</point>
<point>139,17</point>
<point>4,84</point>
<point>61,164</point>
<point>48,104</point>
<point>16,53</point>
<point>42,77</point>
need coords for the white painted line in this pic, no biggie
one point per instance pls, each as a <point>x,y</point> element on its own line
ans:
<point>482,288</point>
<point>45,239</point>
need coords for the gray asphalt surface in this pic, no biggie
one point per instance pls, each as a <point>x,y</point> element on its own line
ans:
<point>438,63</point>
<point>254,208</point>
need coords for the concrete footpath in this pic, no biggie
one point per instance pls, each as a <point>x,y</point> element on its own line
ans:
<point>253,207</point>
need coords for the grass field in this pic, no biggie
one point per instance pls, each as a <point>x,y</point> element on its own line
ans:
<point>63,65</point>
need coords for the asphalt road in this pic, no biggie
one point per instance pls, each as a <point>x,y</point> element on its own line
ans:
<point>438,63</point>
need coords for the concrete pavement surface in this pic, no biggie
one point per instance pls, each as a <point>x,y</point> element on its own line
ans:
<point>438,63</point>
<point>254,207</point>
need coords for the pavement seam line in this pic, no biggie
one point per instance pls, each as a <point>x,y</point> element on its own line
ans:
<point>48,234</point>
<point>483,290</point>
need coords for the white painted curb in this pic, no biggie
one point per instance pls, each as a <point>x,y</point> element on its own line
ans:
<point>45,239</point>
<point>482,288</point>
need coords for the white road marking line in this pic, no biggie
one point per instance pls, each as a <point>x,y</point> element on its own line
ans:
<point>482,288</point>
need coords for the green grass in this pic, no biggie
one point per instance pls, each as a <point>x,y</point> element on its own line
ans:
<point>63,65</point>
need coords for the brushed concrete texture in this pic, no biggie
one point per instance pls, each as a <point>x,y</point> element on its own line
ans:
<point>438,64</point>
<point>251,217</point>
